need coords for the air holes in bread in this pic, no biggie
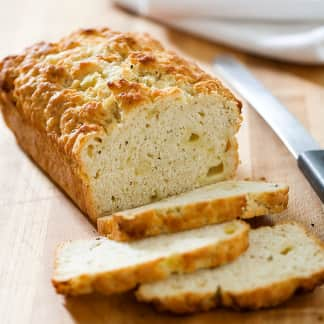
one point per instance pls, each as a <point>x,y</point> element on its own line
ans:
<point>90,151</point>
<point>228,146</point>
<point>286,250</point>
<point>194,137</point>
<point>154,197</point>
<point>214,170</point>
<point>94,246</point>
<point>97,175</point>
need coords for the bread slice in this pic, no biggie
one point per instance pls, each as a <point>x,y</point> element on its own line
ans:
<point>279,261</point>
<point>106,266</point>
<point>207,205</point>
<point>117,120</point>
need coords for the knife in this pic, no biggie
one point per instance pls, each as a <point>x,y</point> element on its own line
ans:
<point>307,152</point>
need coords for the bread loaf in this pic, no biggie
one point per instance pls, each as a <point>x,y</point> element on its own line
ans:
<point>106,266</point>
<point>118,121</point>
<point>211,204</point>
<point>279,260</point>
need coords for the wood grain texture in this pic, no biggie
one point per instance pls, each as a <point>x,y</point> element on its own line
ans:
<point>35,215</point>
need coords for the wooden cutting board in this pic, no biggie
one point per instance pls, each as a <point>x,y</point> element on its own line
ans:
<point>35,215</point>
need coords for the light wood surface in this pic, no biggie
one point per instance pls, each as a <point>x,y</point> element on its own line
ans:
<point>35,215</point>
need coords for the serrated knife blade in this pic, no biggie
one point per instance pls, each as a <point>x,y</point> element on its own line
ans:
<point>309,155</point>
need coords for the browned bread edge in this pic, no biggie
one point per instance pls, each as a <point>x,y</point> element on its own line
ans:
<point>125,279</point>
<point>150,222</point>
<point>262,297</point>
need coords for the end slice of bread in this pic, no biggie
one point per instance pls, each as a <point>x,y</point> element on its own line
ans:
<point>279,261</point>
<point>211,204</point>
<point>106,266</point>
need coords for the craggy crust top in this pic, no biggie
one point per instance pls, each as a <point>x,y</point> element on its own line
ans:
<point>83,84</point>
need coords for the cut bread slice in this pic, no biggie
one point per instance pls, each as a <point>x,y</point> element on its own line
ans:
<point>211,204</point>
<point>279,261</point>
<point>108,267</point>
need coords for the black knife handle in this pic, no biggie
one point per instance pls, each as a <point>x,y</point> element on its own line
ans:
<point>311,163</point>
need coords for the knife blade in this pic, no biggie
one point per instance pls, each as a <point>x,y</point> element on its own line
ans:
<point>307,152</point>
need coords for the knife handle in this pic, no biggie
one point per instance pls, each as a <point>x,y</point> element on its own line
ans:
<point>311,163</point>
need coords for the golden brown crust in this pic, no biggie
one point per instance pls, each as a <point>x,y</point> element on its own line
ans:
<point>258,298</point>
<point>151,222</point>
<point>262,297</point>
<point>125,279</point>
<point>81,87</point>
<point>62,90</point>
<point>43,150</point>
